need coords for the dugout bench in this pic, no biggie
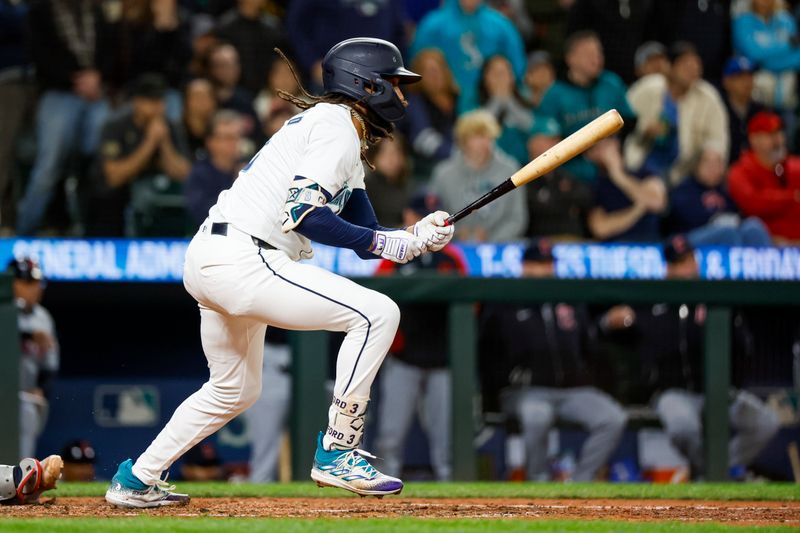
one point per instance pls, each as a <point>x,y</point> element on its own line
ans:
<point>310,398</point>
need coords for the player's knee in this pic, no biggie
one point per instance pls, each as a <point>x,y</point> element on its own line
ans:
<point>382,313</point>
<point>767,425</point>
<point>611,421</point>
<point>536,415</point>
<point>249,396</point>
<point>232,400</point>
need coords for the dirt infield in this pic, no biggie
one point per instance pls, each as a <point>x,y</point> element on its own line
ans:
<point>744,513</point>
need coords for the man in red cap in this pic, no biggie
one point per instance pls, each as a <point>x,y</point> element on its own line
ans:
<point>765,181</point>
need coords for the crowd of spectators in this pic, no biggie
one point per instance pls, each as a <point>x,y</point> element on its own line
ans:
<point>128,117</point>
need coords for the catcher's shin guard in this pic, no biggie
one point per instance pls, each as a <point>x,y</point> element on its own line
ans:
<point>26,482</point>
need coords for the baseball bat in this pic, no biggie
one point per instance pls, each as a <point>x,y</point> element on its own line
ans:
<point>606,124</point>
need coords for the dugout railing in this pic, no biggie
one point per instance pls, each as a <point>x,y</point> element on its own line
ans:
<point>310,396</point>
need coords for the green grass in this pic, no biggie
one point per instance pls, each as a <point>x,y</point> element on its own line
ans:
<point>694,491</point>
<point>83,525</point>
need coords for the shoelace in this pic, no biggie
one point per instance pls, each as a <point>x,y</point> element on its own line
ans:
<point>163,486</point>
<point>355,458</point>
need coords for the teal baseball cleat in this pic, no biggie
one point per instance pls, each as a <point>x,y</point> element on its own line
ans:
<point>349,470</point>
<point>127,490</point>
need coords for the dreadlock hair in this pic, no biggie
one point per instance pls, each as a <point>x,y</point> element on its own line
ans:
<point>376,128</point>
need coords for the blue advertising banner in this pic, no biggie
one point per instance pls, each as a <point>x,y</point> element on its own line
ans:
<point>161,260</point>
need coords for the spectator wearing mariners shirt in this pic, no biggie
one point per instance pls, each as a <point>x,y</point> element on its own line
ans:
<point>415,379</point>
<point>468,32</point>
<point>141,154</point>
<point>583,94</point>
<point>538,365</point>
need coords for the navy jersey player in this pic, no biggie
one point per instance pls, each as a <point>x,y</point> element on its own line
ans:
<point>242,267</point>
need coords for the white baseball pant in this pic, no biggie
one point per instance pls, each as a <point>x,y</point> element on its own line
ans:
<point>240,289</point>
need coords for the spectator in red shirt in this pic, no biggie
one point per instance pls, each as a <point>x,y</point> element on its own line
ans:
<point>765,181</point>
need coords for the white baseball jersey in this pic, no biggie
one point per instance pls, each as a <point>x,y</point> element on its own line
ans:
<point>320,144</point>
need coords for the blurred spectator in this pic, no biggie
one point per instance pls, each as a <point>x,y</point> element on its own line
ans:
<point>72,53</point>
<point>557,203</point>
<point>540,359</point>
<point>627,207</point>
<point>499,95</point>
<point>765,181</point>
<point>314,26</point>
<point>473,171</point>
<point>550,17</point>
<point>415,379</point>
<point>620,26</point>
<point>272,110</point>
<point>153,36</point>
<point>267,417</point>
<point>40,358</point>
<point>517,12</point>
<point>651,58</point>
<point>224,72</point>
<point>216,172</point>
<point>431,112</point>
<point>202,463</point>
<point>737,80</point>
<point>701,208</point>
<point>254,36</point>
<point>79,460</point>
<point>584,94</point>
<point>199,105</point>
<point>704,23</point>
<point>389,183</point>
<point>140,151</point>
<point>417,9</point>
<point>678,115</point>
<point>16,101</point>
<point>468,32</point>
<point>539,76</point>
<point>766,34</point>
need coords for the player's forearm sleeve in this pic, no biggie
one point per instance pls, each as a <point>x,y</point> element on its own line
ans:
<point>323,226</point>
<point>359,211</point>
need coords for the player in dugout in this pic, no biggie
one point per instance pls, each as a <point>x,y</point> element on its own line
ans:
<point>306,184</point>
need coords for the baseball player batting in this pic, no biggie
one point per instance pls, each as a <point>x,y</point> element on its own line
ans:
<point>306,183</point>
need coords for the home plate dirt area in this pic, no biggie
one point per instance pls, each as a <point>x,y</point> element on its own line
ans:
<point>729,512</point>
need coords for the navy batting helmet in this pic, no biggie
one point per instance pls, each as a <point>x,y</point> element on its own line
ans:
<point>359,68</point>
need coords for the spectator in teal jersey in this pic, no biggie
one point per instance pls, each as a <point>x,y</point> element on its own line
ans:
<point>767,35</point>
<point>586,92</point>
<point>500,96</point>
<point>468,32</point>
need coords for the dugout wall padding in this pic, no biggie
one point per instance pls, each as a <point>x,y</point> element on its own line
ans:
<point>9,373</point>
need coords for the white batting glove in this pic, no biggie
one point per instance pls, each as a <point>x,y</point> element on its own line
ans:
<point>433,231</point>
<point>399,246</point>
